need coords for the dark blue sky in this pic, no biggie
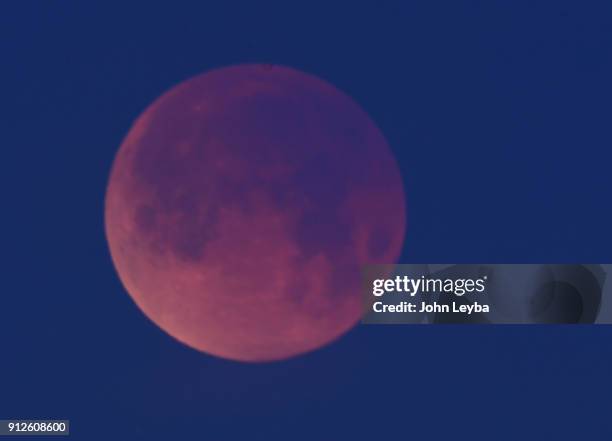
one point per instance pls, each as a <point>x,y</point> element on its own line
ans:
<point>500,115</point>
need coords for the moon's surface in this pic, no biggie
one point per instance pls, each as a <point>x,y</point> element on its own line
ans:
<point>242,205</point>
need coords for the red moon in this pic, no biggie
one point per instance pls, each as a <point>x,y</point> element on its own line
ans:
<point>243,203</point>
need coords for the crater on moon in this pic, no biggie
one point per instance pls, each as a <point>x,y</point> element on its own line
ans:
<point>242,205</point>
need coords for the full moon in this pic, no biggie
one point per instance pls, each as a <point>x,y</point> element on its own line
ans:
<point>242,205</point>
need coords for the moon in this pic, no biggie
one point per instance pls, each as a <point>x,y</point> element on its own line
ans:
<point>242,205</point>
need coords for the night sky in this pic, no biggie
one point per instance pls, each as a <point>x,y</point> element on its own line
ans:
<point>499,115</point>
